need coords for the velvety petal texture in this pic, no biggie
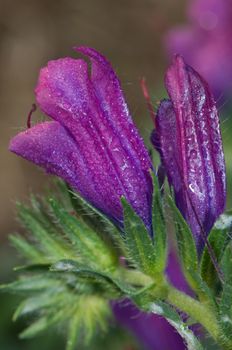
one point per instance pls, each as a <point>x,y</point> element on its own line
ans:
<point>188,139</point>
<point>152,332</point>
<point>92,143</point>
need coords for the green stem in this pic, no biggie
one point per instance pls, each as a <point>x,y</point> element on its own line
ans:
<point>135,277</point>
<point>195,309</point>
<point>200,312</point>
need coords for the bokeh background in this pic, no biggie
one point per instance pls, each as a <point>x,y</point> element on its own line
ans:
<point>131,33</point>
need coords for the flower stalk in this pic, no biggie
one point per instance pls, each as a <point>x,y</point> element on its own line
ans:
<point>195,309</point>
<point>199,311</point>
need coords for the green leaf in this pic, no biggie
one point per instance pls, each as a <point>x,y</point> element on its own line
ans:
<point>186,245</point>
<point>36,327</point>
<point>51,246</point>
<point>96,220</point>
<point>90,316</point>
<point>30,252</point>
<point>108,285</point>
<point>159,227</point>
<point>165,310</point>
<point>74,331</point>
<point>47,299</point>
<point>189,258</point>
<point>32,283</point>
<point>218,239</point>
<point>203,291</point>
<point>58,289</point>
<point>139,245</point>
<point>226,298</point>
<point>84,239</point>
<point>43,323</point>
<point>57,298</point>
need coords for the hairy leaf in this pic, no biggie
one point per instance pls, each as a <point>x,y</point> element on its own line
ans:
<point>218,239</point>
<point>159,227</point>
<point>226,298</point>
<point>138,242</point>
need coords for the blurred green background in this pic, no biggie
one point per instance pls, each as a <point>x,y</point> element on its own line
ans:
<point>130,33</point>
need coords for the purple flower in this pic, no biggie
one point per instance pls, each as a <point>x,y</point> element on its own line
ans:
<point>153,332</point>
<point>205,42</point>
<point>92,142</point>
<point>188,139</point>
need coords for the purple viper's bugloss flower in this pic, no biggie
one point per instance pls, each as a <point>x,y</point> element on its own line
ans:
<point>92,142</point>
<point>188,138</point>
<point>205,41</point>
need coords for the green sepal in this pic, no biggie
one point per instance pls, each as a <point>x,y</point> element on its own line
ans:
<point>50,245</point>
<point>84,239</point>
<point>30,284</point>
<point>169,313</point>
<point>104,283</point>
<point>218,240</point>
<point>186,245</point>
<point>38,326</point>
<point>226,297</point>
<point>46,299</point>
<point>96,220</point>
<point>159,227</point>
<point>189,258</point>
<point>74,329</point>
<point>91,316</point>
<point>139,246</point>
<point>204,293</point>
<point>27,250</point>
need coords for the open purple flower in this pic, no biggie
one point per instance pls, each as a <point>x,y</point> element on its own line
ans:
<point>188,139</point>
<point>92,142</point>
<point>205,41</point>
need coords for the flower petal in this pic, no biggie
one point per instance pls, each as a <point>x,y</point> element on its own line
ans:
<point>189,141</point>
<point>108,90</point>
<point>49,145</point>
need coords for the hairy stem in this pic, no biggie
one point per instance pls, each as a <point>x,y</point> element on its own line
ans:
<point>195,309</point>
<point>200,312</point>
<point>135,277</point>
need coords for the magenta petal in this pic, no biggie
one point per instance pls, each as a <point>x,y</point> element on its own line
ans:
<point>110,96</point>
<point>153,332</point>
<point>189,141</point>
<point>113,154</point>
<point>49,145</point>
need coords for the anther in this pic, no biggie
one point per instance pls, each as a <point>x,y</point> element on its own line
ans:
<point>33,109</point>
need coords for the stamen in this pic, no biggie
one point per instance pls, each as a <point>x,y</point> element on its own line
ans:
<point>147,98</point>
<point>33,109</point>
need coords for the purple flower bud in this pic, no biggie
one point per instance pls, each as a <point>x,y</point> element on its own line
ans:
<point>92,142</point>
<point>188,139</point>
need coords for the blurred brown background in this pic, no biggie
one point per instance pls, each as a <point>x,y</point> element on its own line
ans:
<point>128,32</point>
